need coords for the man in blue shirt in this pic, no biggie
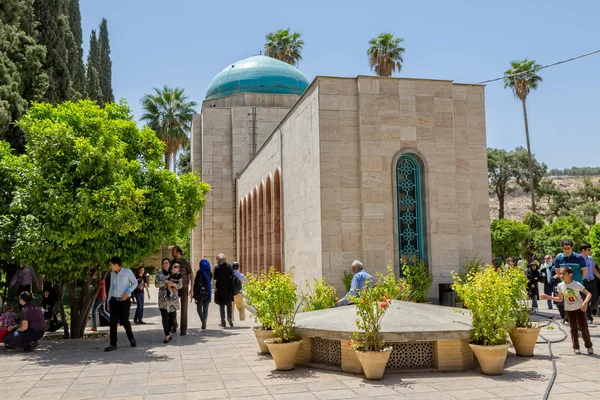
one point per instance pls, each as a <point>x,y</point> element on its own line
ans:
<point>589,279</point>
<point>359,280</point>
<point>570,259</point>
<point>122,284</point>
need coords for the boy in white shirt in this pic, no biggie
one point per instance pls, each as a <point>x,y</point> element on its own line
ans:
<point>569,292</point>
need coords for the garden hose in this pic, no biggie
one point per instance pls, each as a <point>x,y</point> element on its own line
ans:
<point>549,343</point>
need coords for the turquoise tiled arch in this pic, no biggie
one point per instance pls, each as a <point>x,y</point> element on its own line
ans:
<point>258,74</point>
<point>409,178</point>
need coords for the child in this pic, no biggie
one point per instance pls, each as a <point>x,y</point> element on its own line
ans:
<point>7,319</point>
<point>174,277</point>
<point>568,291</point>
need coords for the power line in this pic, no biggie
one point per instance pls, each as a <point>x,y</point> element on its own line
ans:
<point>542,67</point>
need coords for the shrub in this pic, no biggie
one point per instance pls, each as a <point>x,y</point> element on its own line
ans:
<point>416,282</point>
<point>322,296</point>
<point>256,297</point>
<point>347,280</point>
<point>519,295</point>
<point>508,237</point>
<point>471,265</point>
<point>282,304</point>
<point>570,227</point>
<point>371,305</point>
<point>488,294</point>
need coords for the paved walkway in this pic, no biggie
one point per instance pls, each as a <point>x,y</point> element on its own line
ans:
<point>220,363</point>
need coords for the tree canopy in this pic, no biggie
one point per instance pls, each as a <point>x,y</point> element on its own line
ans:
<point>385,54</point>
<point>285,46</point>
<point>568,227</point>
<point>508,237</point>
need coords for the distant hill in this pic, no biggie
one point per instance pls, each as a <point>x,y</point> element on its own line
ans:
<point>574,172</point>
<point>518,203</point>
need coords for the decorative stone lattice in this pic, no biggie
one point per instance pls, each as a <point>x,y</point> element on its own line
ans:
<point>326,351</point>
<point>411,355</point>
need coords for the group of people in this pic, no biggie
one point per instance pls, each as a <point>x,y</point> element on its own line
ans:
<point>571,282</point>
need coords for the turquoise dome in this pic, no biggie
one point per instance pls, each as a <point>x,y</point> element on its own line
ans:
<point>258,74</point>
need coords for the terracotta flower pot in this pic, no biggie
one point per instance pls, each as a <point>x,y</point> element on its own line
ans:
<point>373,362</point>
<point>284,354</point>
<point>491,358</point>
<point>524,340</point>
<point>261,335</point>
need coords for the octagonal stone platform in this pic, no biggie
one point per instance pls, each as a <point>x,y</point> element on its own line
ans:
<point>423,336</point>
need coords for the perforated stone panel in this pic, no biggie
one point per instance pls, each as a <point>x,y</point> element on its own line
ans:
<point>326,351</point>
<point>411,355</point>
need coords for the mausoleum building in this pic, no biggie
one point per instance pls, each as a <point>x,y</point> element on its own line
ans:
<point>312,176</point>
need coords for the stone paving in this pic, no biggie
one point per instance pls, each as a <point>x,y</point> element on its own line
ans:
<point>225,363</point>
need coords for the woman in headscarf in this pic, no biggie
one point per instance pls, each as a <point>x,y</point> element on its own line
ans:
<point>167,303</point>
<point>203,290</point>
<point>224,294</point>
<point>533,275</point>
<point>547,277</point>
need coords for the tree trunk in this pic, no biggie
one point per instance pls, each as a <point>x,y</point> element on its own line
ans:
<point>530,160</point>
<point>60,293</point>
<point>80,307</point>
<point>500,207</point>
<point>168,161</point>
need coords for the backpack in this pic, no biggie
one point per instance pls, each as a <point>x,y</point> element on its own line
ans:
<point>201,287</point>
<point>236,285</point>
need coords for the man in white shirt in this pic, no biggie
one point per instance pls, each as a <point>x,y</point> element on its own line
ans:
<point>122,284</point>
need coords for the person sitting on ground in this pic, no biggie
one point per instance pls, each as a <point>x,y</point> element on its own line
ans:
<point>26,335</point>
<point>7,319</point>
<point>238,299</point>
<point>359,280</point>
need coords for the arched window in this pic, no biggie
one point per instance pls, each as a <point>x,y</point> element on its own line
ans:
<point>409,190</point>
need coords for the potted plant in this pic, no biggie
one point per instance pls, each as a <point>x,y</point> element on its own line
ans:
<point>524,335</point>
<point>487,294</point>
<point>416,281</point>
<point>321,297</point>
<point>256,298</point>
<point>371,305</point>
<point>282,303</point>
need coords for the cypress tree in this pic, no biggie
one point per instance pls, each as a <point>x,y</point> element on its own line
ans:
<point>94,91</point>
<point>54,34</point>
<point>22,78</point>
<point>105,63</point>
<point>76,67</point>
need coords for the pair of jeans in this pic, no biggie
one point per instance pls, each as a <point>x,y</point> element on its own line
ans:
<point>222,311</point>
<point>202,308</point>
<point>98,307</point>
<point>139,311</point>
<point>23,340</point>
<point>578,321</point>
<point>119,313</point>
<point>184,294</point>
<point>592,287</point>
<point>169,319</point>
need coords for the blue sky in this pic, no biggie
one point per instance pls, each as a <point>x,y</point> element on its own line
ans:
<point>186,43</point>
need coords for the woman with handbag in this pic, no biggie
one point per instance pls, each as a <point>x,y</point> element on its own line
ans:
<point>168,300</point>
<point>224,283</point>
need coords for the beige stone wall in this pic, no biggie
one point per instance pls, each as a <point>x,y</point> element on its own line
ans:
<point>223,141</point>
<point>366,124</point>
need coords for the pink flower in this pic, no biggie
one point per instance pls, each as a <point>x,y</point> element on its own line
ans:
<point>349,343</point>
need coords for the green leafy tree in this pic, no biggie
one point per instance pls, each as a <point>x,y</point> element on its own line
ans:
<point>559,202</point>
<point>593,238</point>
<point>385,54</point>
<point>569,227</point>
<point>285,46</point>
<point>184,162</point>
<point>22,76</point>
<point>76,66</point>
<point>535,222</point>
<point>90,186</point>
<point>94,90</point>
<point>105,66</point>
<point>54,32</point>
<point>169,113</point>
<point>508,237</point>
<point>522,78</point>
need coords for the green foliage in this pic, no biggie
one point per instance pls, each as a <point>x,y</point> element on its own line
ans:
<point>371,303</point>
<point>385,54</point>
<point>105,64</point>
<point>76,66</point>
<point>522,77</point>
<point>169,113</point>
<point>22,76</point>
<point>488,294</point>
<point>593,238</point>
<point>470,267</point>
<point>321,297</point>
<point>530,249</point>
<point>347,280</point>
<point>184,161</point>
<point>549,237</point>
<point>94,90</point>
<point>282,303</point>
<point>519,296</point>
<point>90,186</point>
<point>508,237</point>
<point>285,46</point>
<point>416,281</point>
<point>256,297</point>
<point>534,221</point>
<point>575,171</point>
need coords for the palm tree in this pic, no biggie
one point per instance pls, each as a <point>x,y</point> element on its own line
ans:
<point>169,113</point>
<point>522,77</point>
<point>385,54</point>
<point>284,46</point>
